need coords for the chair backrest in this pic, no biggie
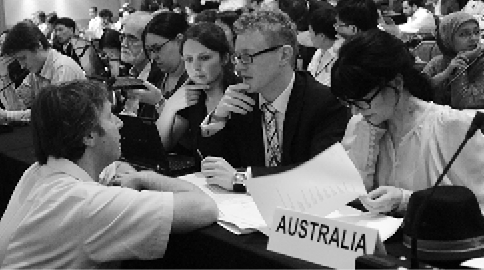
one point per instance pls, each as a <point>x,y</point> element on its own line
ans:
<point>426,50</point>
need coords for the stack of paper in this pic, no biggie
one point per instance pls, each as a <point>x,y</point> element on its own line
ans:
<point>238,212</point>
<point>322,187</point>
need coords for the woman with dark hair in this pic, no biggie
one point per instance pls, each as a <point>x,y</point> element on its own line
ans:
<point>398,140</point>
<point>206,53</point>
<point>457,82</point>
<point>161,43</point>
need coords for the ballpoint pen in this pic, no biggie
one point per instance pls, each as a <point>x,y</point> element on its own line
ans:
<point>200,154</point>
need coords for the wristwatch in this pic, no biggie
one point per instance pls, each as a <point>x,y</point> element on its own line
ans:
<point>238,182</point>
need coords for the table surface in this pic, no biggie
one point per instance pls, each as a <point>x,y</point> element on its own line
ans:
<point>210,247</point>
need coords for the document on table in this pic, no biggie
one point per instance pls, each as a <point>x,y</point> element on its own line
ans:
<point>239,214</point>
<point>318,187</point>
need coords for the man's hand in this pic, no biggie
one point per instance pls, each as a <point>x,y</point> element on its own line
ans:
<point>218,172</point>
<point>383,199</point>
<point>132,179</point>
<point>234,100</point>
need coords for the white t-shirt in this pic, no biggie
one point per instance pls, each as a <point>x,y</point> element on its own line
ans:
<point>59,217</point>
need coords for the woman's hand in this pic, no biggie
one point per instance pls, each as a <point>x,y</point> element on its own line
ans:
<point>218,172</point>
<point>383,199</point>
<point>459,62</point>
<point>185,96</point>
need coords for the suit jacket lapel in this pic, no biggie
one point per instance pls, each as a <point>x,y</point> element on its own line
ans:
<point>293,112</point>
<point>254,139</point>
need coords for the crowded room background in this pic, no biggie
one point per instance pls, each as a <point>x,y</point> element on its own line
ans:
<point>121,98</point>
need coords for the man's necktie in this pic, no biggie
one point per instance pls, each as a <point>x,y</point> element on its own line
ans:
<point>273,156</point>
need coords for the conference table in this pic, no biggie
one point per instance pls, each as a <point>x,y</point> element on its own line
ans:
<point>209,247</point>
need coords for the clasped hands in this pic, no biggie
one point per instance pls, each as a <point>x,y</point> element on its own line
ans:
<point>383,199</point>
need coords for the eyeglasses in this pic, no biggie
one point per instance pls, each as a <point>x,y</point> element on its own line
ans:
<point>129,38</point>
<point>365,103</point>
<point>246,58</point>
<point>340,24</point>
<point>156,48</point>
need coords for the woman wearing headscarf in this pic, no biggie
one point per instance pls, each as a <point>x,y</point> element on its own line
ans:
<point>458,74</point>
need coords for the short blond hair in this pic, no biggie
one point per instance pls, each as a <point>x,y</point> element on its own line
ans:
<point>275,26</point>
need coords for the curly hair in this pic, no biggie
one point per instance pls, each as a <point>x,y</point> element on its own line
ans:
<point>63,115</point>
<point>275,26</point>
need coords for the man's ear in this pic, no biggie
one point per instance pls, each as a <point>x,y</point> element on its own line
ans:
<point>89,139</point>
<point>287,55</point>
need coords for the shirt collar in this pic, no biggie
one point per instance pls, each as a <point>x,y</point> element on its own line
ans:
<point>61,165</point>
<point>335,48</point>
<point>280,103</point>
<point>47,70</point>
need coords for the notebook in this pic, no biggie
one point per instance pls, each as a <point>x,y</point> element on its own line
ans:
<point>141,147</point>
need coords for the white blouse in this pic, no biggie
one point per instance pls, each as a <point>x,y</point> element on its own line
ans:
<point>418,160</point>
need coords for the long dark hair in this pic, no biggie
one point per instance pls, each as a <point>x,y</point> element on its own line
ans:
<point>213,37</point>
<point>165,24</point>
<point>372,58</point>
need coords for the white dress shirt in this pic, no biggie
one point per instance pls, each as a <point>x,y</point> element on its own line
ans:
<point>322,62</point>
<point>422,21</point>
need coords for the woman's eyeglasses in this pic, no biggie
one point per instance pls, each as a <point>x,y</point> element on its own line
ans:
<point>156,48</point>
<point>364,103</point>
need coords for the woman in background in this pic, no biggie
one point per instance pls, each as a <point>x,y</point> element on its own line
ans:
<point>455,82</point>
<point>206,53</point>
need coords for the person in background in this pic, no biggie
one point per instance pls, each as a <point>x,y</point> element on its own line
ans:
<point>398,140</point>
<point>276,118</point>
<point>161,42</point>
<point>66,43</point>
<point>354,16</point>
<point>323,36</point>
<point>8,98</point>
<point>78,222</point>
<point>26,44</point>
<point>49,32</point>
<point>39,19</point>
<point>110,45</point>
<point>132,53</point>
<point>106,16</point>
<point>420,19</point>
<point>94,29</point>
<point>206,53</point>
<point>455,82</point>
<point>445,7</point>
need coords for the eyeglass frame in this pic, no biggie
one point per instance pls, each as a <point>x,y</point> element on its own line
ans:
<point>151,49</point>
<point>237,57</point>
<point>367,101</point>
<point>337,25</point>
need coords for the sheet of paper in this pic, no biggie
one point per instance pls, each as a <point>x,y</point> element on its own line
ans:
<point>317,187</point>
<point>386,226</point>
<point>477,263</point>
<point>238,212</point>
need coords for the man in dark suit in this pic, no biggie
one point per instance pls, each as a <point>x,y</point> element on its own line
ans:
<point>276,118</point>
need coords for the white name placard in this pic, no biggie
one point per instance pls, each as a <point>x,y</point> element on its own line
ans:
<point>320,240</point>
